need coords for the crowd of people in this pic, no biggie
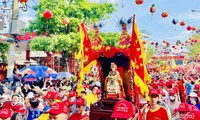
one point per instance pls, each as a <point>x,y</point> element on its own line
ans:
<point>173,96</point>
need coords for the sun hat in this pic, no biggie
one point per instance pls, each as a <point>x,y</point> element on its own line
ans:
<point>193,94</point>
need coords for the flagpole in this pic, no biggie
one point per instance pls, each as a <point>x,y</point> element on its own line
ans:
<point>134,85</point>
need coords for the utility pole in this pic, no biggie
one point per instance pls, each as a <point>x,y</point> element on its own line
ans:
<point>15,10</point>
<point>11,55</point>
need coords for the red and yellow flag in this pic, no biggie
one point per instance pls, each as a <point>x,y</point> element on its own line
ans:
<point>85,55</point>
<point>141,76</point>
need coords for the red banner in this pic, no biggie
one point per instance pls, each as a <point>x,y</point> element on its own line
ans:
<point>168,57</point>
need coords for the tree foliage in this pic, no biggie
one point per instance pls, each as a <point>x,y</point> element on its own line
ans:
<point>66,37</point>
<point>57,43</point>
<point>194,50</point>
<point>75,10</point>
<point>69,42</point>
<point>149,54</point>
<point>4,47</point>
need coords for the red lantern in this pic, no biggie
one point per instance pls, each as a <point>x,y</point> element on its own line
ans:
<point>65,21</point>
<point>164,14</point>
<point>192,40</point>
<point>23,1</point>
<point>193,28</point>
<point>144,42</point>
<point>47,14</point>
<point>139,2</point>
<point>182,23</point>
<point>152,43</point>
<point>189,28</point>
<point>173,46</point>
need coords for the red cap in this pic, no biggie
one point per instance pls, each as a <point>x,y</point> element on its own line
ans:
<point>50,95</point>
<point>162,83</point>
<point>193,108</point>
<point>80,101</point>
<point>123,109</point>
<point>5,113</point>
<point>176,90</point>
<point>20,108</point>
<point>195,115</point>
<point>184,107</point>
<point>58,108</point>
<point>86,86</point>
<point>99,91</point>
<point>72,93</point>
<point>189,78</point>
<point>163,94</point>
<point>169,84</point>
<point>154,92</point>
<point>198,94</point>
<point>154,85</point>
<point>9,105</point>
<point>172,92</point>
<point>172,80</point>
<point>196,86</point>
<point>68,103</point>
<point>58,96</point>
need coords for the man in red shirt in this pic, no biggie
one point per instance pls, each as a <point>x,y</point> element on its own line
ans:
<point>80,113</point>
<point>156,112</point>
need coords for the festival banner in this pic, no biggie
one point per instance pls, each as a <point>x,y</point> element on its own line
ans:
<point>141,77</point>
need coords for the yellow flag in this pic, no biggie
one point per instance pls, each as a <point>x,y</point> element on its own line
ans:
<point>174,66</point>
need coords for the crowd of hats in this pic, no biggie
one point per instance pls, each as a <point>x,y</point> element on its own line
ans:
<point>192,112</point>
<point>9,108</point>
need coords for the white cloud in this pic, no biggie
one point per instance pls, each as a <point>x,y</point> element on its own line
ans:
<point>194,16</point>
<point>26,19</point>
<point>182,36</point>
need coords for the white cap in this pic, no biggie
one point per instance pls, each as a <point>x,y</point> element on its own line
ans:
<point>193,94</point>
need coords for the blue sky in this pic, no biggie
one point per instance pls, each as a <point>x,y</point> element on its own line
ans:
<point>159,28</point>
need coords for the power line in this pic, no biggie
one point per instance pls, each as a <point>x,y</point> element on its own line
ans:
<point>34,2</point>
<point>117,26</point>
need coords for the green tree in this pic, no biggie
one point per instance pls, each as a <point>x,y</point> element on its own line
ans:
<point>65,38</point>
<point>4,47</point>
<point>57,43</point>
<point>194,50</point>
<point>74,10</point>
<point>149,54</point>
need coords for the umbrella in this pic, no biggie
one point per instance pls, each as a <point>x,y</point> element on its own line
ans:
<point>29,78</point>
<point>38,72</point>
<point>65,75</point>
